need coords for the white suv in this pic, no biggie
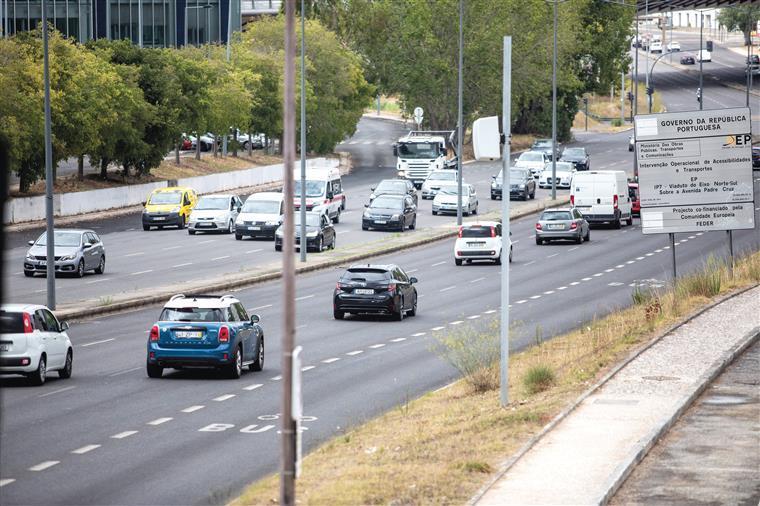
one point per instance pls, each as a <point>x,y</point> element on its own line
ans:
<point>33,342</point>
<point>479,241</point>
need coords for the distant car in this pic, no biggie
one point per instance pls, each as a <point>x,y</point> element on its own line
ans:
<point>215,213</point>
<point>207,141</point>
<point>257,141</point>
<point>674,46</point>
<point>631,143</point>
<point>563,173</point>
<point>320,233</point>
<point>394,187</point>
<point>633,192</point>
<point>76,252</point>
<point>447,198</point>
<point>545,146</point>
<point>753,65</point>
<point>655,46</point>
<point>33,342</point>
<point>186,144</point>
<point>205,331</point>
<point>375,289</point>
<point>390,212</point>
<point>755,156</point>
<point>578,156</point>
<point>704,55</point>
<point>260,216</point>
<point>435,180</point>
<point>688,59</point>
<point>535,161</point>
<point>479,241</point>
<point>562,223</point>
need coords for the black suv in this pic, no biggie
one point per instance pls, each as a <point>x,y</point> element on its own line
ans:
<point>578,157</point>
<point>375,289</point>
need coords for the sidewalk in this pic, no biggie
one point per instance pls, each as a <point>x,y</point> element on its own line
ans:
<point>588,453</point>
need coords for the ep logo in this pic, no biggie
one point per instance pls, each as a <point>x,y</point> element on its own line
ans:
<point>738,141</point>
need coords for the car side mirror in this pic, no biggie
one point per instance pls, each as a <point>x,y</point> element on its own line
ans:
<point>365,205</point>
<point>239,208</point>
<point>412,280</point>
<point>145,203</point>
<point>255,318</point>
<point>371,188</point>
<point>64,326</point>
<point>30,243</point>
<point>87,246</point>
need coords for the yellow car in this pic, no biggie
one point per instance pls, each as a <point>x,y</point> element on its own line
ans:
<point>168,207</point>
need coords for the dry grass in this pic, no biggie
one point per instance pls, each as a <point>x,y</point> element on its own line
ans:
<point>440,448</point>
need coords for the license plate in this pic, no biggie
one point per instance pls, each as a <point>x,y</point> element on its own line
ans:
<point>43,263</point>
<point>364,291</point>
<point>556,227</point>
<point>191,334</point>
<point>5,347</point>
<point>475,244</point>
<point>254,228</point>
<point>381,222</point>
<point>206,225</point>
<point>159,218</point>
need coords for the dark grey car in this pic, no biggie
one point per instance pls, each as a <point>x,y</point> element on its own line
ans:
<point>76,252</point>
<point>562,223</point>
<point>578,157</point>
<point>394,187</point>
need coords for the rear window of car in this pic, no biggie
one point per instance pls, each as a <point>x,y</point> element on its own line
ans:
<point>556,216</point>
<point>191,314</point>
<point>11,323</point>
<point>365,275</point>
<point>483,231</point>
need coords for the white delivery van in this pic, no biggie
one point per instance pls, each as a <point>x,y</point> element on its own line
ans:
<point>602,196</point>
<point>260,216</point>
<point>324,191</point>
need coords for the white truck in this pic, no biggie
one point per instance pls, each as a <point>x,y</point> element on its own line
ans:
<point>421,152</point>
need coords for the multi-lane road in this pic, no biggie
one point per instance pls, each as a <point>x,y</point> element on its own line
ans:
<point>110,435</point>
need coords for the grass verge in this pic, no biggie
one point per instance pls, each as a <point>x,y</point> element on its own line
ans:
<point>442,447</point>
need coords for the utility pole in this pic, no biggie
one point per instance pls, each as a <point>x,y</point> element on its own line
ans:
<point>460,130</point>
<point>622,98</point>
<point>50,250</point>
<point>506,114</point>
<point>554,111</point>
<point>701,91</point>
<point>636,66</point>
<point>287,472</point>
<point>303,136</point>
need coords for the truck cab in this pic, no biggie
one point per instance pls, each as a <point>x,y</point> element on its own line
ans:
<point>420,152</point>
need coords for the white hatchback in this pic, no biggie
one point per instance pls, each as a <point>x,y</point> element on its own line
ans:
<point>479,241</point>
<point>33,342</point>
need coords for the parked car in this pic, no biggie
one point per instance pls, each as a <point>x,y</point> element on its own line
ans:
<point>33,343</point>
<point>563,174</point>
<point>479,241</point>
<point>205,331</point>
<point>447,198</point>
<point>260,216</point>
<point>258,141</point>
<point>215,213</point>
<point>375,289</point>
<point>688,59</point>
<point>435,180</point>
<point>207,141</point>
<point>395,212</point>
<point>562,223</point>
<point>578,156</point>
<point>394,187</point>
<point>186,144</point>
<point>755,156</point>
<point>545,146</point>
<point>602,196</point>
<point>76,252</point>
<point>320,233</point>
<point>633,192</point>
<point>169,206</point>
<point>535,161</point>
<point>674,46</point>
<point>521,184</point>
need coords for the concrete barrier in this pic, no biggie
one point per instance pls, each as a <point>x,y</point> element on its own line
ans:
<point>25,209</point>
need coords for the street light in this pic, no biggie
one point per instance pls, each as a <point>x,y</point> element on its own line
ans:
<point>554,104</point>
<point>460,129</point>
<point>50,253</point>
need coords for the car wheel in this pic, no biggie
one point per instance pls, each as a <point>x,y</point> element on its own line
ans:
<point>101,268</point>
<point>400,314</point>
<point>335,238</point>
<point>493,197</point>
<point>413,224</point>
<point>510,254</point>
<point>65,373</point>
<point>539,241</point>
<point>533,194</point>
<point>338,315</point>
<point>618,224</point>
<point>435,213</point>
<point>80,269</point>
<point>588,235</point>
<point>39,376</point>
<point>498,259</point>
<point>235,369</point>
<point>365,227</point>
<point>457,261</point>
<point>403,225</point>
<point>154,370</point>
<point>190,231</point>
<point>475,211</point>
<point>230,227</point>
<point>29,274</point>
<point>629,221</point>
<point>579,239</point>
<point>258,364</point>
<point>413,311</point>
<point>337,217</point>
<point>278,248</point>
<point>146,227</point>
<point>181,224</point>
<point>238,237</point>
<point>320,245</point>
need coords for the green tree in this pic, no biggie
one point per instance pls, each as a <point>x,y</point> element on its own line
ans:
<point>740,17</point>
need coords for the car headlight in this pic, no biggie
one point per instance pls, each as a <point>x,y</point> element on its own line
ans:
<point>367,214</point>
<point>394,217</point>
<point>175,210</point>
<point>69,257</point>
<point>312,234</point>
<point>522,186</point>
<point>29,256</point>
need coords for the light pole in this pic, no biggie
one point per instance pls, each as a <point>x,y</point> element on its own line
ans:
<point>303,134</point>
<point>50,238</point>
<point>459,117</point>
<point>554,104</point>
<point>701,92</point>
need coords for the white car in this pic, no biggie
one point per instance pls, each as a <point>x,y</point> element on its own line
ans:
<point>674,46</point>
<point>435,180</point>
<point>704,55</point>
<point>564,174</point>
<point>447,198</point>
<point>479,241</point>
<point>33,343</point>
<point>655,46</point>
<point>533,160</point>
<point>214,213</point>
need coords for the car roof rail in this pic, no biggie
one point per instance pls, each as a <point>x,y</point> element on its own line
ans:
<point>227,296</point>
<point>178,296</point>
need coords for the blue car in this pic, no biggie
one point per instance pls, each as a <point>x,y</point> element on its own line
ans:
<point>207,331</point>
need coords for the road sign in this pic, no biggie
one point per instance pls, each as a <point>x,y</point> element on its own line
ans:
<point>695,171</point>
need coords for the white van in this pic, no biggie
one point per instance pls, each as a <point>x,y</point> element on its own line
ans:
<point>324,191</point>
<point>655,46</point>
<point>602,196</point>
<point>704,55</point>
<point>260,216</point>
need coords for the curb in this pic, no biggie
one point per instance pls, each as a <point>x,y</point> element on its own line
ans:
<point>219,283</point>
<point>509,463</point>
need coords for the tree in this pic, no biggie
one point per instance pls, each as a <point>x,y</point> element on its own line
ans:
<point>740,17</point>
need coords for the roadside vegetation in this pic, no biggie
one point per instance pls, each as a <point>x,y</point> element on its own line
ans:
<point>442,447</point>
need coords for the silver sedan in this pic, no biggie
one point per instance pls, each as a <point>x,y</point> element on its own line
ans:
<point>562,223</point>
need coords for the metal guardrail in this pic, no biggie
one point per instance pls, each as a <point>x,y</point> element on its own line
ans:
<point>256,7</point>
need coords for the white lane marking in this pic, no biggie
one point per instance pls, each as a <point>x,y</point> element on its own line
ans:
<point>534,297</point>
<point>44,465</point>
<point>40,291</point>
<point>124,372</point>
<point>6,481</point>
<point>575,283</point>
<point>629,262</point>
<point>477,280</point>
<point>253,387</point>
<point>615,283</point>
<point>135,254</point>
<point>398,339</point>
<point>304,297</point>
<point>330,360</point>
<point>531,262</point>
<point>193,409</point>
<point>437,328</point>
<point>692,237</point>
<point>549,292</point>
<point>219,258</point>
<point>261,307</point>
<point>447,288</point>
<point>418,334</point>
<point>516,241</point>
<point>97,342</point>
<point>658,251</point>
<point>182,265</point>
<point>99,280</point>
<point>437,264</point>
<point>57,391</point>
<point>223,398</point>
<point>307,368</point>
<point>585,279</point>
<point>561,288</point>
<point>85,449</point>
<point>552,256</point>
<point>356,352</point>
<point>608,270</point>
<point>473,317</point>
<point>410,271</point>
<point>521,301</point>
<point>208,241</point>
<point>649,254</point>
<point>701,233</point>
<point>122,435</point>
<point>619,266</point>
<point>457,322</point>
<point>639,258</point>
<point>490,311</point>
<point>253,251</point>
<point>170,247</point>
<point>141,272</point>
<point>598,274</point>
<point>159,421</point>
<point>276,378</point>
<point>572,249</point>
<point>376,346</point>
<point>666,247</point>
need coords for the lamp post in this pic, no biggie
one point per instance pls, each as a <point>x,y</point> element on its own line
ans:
<point>460,129</point>
<point>701,94</point>
<point>554,106</point>
<point>50,238</point>
<point>303,134</point>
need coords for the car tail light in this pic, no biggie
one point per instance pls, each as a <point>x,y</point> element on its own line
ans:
<point>154,333</point>
<point>340,287</point>
<point>573,226</point>
<point>538,226</point>
<point>615,201</point>
<point>460,232</point>
<point>28,327</point>
<point>224,334</point>
<point>493,231</point>
<point>572,200</point>
<point>392,287</point>
<point>327,201</point>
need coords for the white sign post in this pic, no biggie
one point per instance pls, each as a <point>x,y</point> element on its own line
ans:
<point>297,404</point>
<point>418,115</point>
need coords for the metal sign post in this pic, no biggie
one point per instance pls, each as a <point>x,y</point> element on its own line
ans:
<point>506,112</point>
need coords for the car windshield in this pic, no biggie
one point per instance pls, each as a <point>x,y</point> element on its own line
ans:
<point>556,216</point>
<point>477,231</point>
<point>517,174</point>
<point>418,150</point>
<point>562,167</point>
<point>443,176</point>
<point>364,275</point>
<point>531,157</point>
<point>166,198</point>
<point>61,239</point>
<point>386,202</point>
<point>216,203</point>
<point>313,188</point>
<point>574,152</point>
<point>397,186</point>
<point>261,207</point>
<point>11,322</point>
<point>451,190</point>
<point>312,219</point>
<point>191,314</point>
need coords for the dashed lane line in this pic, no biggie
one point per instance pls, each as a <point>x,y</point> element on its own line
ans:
<point>261,307</point>
<point>304,297</point>
<point>575,283</point>
<point>253,251</point>
<point>376,346</point>
<point>44,465</point>
<point>552,256</point>
<point>193,409</point>
<point>629,262</point>
<point>447,288</point>
<point>418,334</point>
<point>608,270</point>
<point>585,279</point>
<point>253,387</point>
<point>639,258</point>
<point>398,339</point>
<point>170,248</point>
<point>534,297</point>
<point>355,352</point>
<point>523,301</point>
<point>65,389</point>
<point>177,266</point>
<point>308,368</point>
<point>6,481</point>
<point>437,264</point>
<point>223,398</point>
<point>330,360</point>
<point>207,241</point>
<point>133,369</point>
<point>97,342</point>
<point>598,274</point>
<point>530,263</point>
<point>561,288</point>
<point>220,258</point>
<point>135,254</point>
<point>456,322</point>
<point>477,280</point>
<point>548,292</point>
<point>615,283</point>
<point>490,311</point>
<point>619,266</point>
<point>85,449</point>
<point>126,433</point>
<point>437,328</point>
<point>473,317</point>
<point>573,248</point>
<point>99,280</point>
<point>141,272</point>
<point>159,421</point>
<point>276,378</point>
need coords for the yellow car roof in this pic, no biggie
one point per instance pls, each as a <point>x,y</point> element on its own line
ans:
<point>172,189</point>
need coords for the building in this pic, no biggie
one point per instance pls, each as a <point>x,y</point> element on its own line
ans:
<point>148,23</point>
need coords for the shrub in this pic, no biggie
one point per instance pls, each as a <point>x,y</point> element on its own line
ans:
<point>538,378</point>
<point>617,122</point>
<point>473,352</point>
<point>705,282</point>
